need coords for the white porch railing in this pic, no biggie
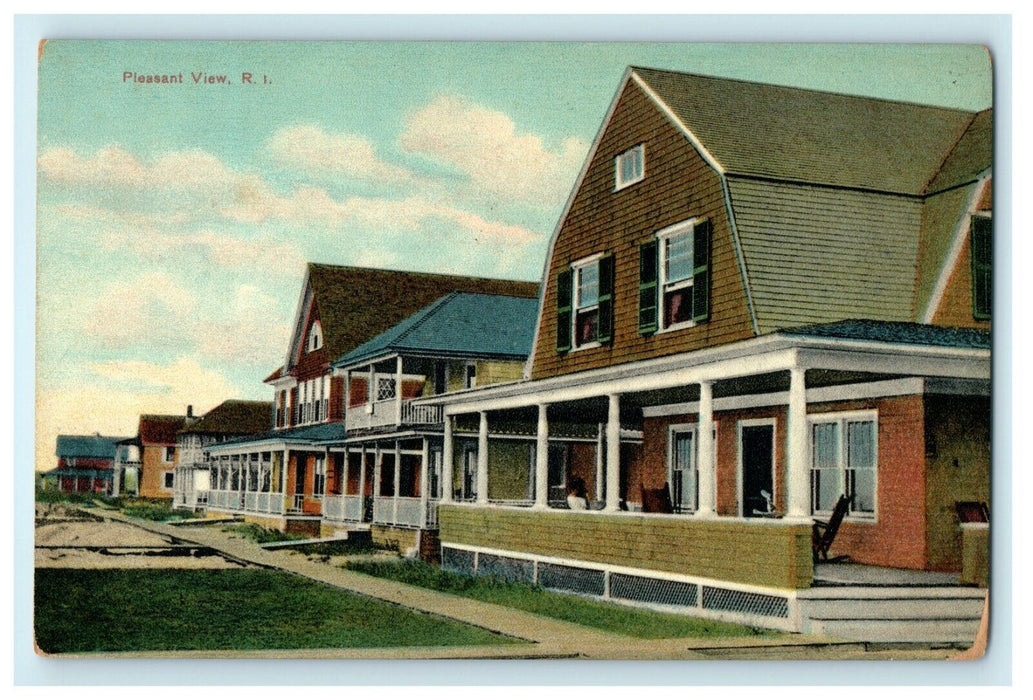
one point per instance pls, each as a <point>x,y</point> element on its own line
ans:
<point>514,502</point>
<point>343,508</point>
<point>402,511</point>
<point>431,517</point>
<point>385,412</point>
<point>247,502</point>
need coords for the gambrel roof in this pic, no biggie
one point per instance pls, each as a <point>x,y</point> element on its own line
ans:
<point>800,135</point>
<point>843,206</point>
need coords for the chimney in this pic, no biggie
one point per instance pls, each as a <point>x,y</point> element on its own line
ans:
<point>190,411</point>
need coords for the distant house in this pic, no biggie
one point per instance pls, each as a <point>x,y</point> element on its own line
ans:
<point>763,299</point>
<point>286,469</point>
<point>157,444</point>
<point>229,420</point>
<point>85,464</point>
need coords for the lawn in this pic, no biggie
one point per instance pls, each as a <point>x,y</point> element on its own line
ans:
<point>633,622</point>
<point>85,610</point>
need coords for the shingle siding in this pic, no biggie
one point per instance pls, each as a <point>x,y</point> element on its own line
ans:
<point>819,254</point>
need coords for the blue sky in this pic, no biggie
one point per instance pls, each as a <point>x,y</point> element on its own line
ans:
<point>174,221</point>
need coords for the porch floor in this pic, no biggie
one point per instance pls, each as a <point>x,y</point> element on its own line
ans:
<point>851,574</point>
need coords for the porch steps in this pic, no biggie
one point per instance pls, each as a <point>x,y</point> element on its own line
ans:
<point>887,614</point>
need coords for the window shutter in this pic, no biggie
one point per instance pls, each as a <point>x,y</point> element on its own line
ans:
<point>701,271</point>
<point>564,301</point>
<point>982,258</point>
<point>606,273</point>
<point>647,280</point>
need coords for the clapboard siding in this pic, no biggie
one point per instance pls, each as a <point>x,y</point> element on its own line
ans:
<point>678,185</point>
<point>775,554</point>
<point>821,254</point>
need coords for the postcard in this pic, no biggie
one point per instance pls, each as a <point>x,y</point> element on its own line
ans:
<point>513,350</point>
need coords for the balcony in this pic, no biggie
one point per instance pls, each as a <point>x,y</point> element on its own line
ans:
<point>385,413</point>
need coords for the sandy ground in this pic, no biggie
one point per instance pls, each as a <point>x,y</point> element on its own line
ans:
<point>62,533</point>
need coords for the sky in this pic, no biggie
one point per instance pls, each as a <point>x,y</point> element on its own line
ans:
<point>174,220</point>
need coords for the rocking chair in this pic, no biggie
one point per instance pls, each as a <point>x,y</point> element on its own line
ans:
<point>823,533</point>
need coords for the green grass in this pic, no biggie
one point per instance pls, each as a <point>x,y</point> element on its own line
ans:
<point>160,511</point>
<point>633,622</point>
<point>55,496</point>
<point>109,610</point>
<point>261,535</point>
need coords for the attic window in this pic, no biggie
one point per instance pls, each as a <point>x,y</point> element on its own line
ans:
<point>630,166</point>
<point>315,337</point>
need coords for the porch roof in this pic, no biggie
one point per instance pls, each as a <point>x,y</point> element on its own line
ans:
<point>305,435</point>
<point>862,348</point>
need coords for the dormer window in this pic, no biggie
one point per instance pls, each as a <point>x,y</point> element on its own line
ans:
<point>315,337</point>
<point>630,167</point>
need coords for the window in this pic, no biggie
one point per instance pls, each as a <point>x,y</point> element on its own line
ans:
<point>315,337</point>
<point>440,377</point>
<point>982,259</point>
<point>169,454</point>
<point>674,277</point>
<point>169,477</point>
<point>630,166</point>
<point>844,460</point>
<point>584,303</point>
<point>385,388</point>
<point>470,376</point>
<point>469,490</point>
<point>319,477</point>
<point>682,474</point>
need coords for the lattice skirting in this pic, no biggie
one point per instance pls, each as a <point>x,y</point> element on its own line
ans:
<point>653,589</point>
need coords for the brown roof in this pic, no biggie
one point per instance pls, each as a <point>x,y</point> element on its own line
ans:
<point>800,135</point>
<point>277,373</point>
<point>357,303</point>
<point>234,417</point>
<point>160,429</point>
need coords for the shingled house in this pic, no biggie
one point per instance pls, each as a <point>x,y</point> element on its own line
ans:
<point>339,309</point>
<point>229,420</point>
<point>763,298</point>
<point>85,464</point>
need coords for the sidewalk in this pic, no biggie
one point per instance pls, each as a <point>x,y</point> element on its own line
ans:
<point>546,637</point>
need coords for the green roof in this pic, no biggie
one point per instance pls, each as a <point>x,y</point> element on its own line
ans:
<point>96,446</point>
<point>307,434</point>
<point>799,135</point>
<point>458,325</point>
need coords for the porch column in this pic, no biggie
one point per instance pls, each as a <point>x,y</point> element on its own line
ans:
<point>541,459</point>
<point>482,460</point>
<point>705,458</point>
<point>447,455</point>
<point>362,472</point>
<point>600,473</point>
<point>347,397</point>
<point>376,472</point>
<point>798,478</point>
<point>396,486</point>
<point>613,454</point>
<point>283,472</point>
<point>398,393</point>
<point>424,481</point>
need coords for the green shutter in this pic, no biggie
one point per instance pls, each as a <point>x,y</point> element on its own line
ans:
<point>606,272</point>
<point>701,272</point>
<point>564,301</point>
<point>982,259</point>
<point>647,279</point>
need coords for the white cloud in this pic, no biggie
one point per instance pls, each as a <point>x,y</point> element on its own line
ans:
<point>309,149</point>
<point>484,145</point>
<point>148,310</point>
<point>249,331</point>
<point>112,395</point>
<point>263,255</point>
<point>115,166</point>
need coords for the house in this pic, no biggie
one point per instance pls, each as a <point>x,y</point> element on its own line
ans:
<point>156,438</point>
<point>760,298</point>
<point>126,478</point>
<point>386,473</point>
<point>230,419</point>
<point>286,469</point>
<point>85,464</point>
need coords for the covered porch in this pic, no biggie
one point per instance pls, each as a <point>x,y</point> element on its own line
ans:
<point>741,448</point>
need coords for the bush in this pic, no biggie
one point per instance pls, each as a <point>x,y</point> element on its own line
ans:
<point>261,535</point>
<point>159,511</point>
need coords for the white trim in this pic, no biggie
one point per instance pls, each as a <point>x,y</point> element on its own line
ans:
<point>693,429</point>
<point>961,235</point>
<point>664,236</point>
<point>669,113</point>
<point>908,386</point>
<point>566,210</point>
<point>842,418</point>
<point>752,423</point>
